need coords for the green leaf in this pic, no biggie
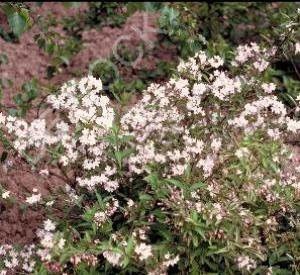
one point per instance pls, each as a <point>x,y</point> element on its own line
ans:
<point>17,22</point>
<point>71,4</point>
<point>120,155</point>
<point>145,197</point>
<point>177,183</point>
<point>99,198</point>
<point>152,179</point>
<point>198,185</point>
<point>130,246</point>
<point>64,60</point>
<point>18,99</point>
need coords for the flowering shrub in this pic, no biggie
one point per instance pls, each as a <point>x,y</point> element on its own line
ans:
<point>189,180</point>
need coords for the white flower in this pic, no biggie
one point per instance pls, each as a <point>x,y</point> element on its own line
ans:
<point>268,87</point>
<point>244,262</point>
<point>61,243</point>
<point>297,48</point>
<point>274,133</point>
<point>261,65</point>
<point>34,198</point>
<point>44,172</point>
<point>47,240</point>
<point>44,254</point>
<point>170,261</point>
<point>242,152</point>
<point>112,257</point>
<point>216,61</point>
<point>49,225</point>
<point>100,218</point>
<point>216,144</point>
<point>130,203</point>
<point>50,203</point>
<point>5,194</point>
<point>144,251</point>
<point>2,118</point>
<point>293,125</point>
<point>207,165</point>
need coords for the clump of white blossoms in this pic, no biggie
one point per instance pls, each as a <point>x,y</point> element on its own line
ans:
<point>112,257</point>
<point>162,116</point>
<point>13,258</point>
<point>253,56</point>
<point>244,262</point>
<point>91,113</point>
<point>84,103</point>
<point>34,198</point>
<point>175,125</point>
<point>101,217</point>
<point>200,123</point>
<point>48,240</point>
<point>88,118</point>
<point>5,194</point>
<point>144,251</point>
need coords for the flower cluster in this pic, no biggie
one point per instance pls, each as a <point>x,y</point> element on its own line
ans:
<point>254,56</point>
<point>101,217</point>
<point>48,241</point>
<point>13,258</point>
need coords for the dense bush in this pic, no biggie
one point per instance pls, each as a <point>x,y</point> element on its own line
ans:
<point>191,179</point>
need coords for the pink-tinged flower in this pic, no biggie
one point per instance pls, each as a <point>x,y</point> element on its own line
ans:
<point>297,48</point>
<point>144,251</point>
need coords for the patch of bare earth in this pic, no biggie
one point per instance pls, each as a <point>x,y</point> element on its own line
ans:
<point>18,225</point>
<point>25,59</point>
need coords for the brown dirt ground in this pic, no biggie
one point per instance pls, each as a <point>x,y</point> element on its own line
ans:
<point>26,60</point>
<point>16,225</point>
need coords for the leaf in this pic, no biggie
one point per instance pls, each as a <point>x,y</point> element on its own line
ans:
<point>200,231</point>
<point>50,47</point>
<point>198,185</point>
<point>195,241</point>
<point>99,198</point>
<point>120,155</point>
<point>134,6</point>
<point>129,248</point>
<point>71,4</point>
<point>177,183</point>
<point>222,250</point>
<point>18,99</point>
<point>31,95</point>
<point>152,179</point>
<point>145,197</point>
<point>18,23</point>
<point>64,60</point>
